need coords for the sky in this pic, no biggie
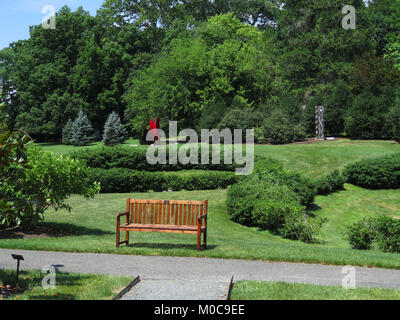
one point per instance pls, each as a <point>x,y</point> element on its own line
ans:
<point>16,16</point>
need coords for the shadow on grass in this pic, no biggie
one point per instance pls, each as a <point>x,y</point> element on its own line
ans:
<point>52,230</point>
<point>165,246</point>
<point>77,230</point>
<point>30,279</point>
<point>312,209</point>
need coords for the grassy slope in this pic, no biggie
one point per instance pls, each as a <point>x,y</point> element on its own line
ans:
<point>314,160</point>
<point>69,286</point>
<point>256,290</point>
<point>94,223</point>
<point>94,220</point>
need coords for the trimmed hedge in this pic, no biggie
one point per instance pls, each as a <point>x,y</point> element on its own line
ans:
<point>135,159</point>
<point>378,173</point>
<point>120,180</point>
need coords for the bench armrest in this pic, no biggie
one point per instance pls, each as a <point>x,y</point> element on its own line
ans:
<point>203,217</point>
<point>119,215</point>
<point>122,214</point>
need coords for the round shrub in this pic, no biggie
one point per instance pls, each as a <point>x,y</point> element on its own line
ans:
<point>273,198</point>
<point>388,234</point>
<point>362,233</point>
<point>378,173</point>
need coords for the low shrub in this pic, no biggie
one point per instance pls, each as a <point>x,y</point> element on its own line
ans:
<point>388,234</point>
<point>362,233</point>
<point>378,173</point>
<point>274,198</point>
<point>384,231</point>
<point>331,183</point>
<point>273,171</point>
<point>120,180</point>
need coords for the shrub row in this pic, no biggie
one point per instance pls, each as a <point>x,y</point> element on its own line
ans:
<point>135,159</point>
<point>378,173</point>
<point>120,180</point>
<point>384,231</point>
<point>273,198</point>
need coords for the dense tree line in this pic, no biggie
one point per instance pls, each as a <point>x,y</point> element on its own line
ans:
<point>210,64</point>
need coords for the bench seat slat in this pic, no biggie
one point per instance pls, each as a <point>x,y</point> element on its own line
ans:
<point>159,226</point>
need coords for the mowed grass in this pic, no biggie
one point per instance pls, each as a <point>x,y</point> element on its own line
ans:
<point>258,290</point>
<point>312,159</point>
<point>64,149</point>
<point>69,286</point>
<point>93,224</point>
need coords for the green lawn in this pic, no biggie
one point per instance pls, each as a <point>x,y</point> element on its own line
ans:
<point>257,290</point>
<point>69,286</point>
<point>316,159</point>
<point>93,221</point>
<point>64,149</point>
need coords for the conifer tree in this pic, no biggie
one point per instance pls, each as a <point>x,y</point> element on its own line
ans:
<point>67,132</point>
<point>114,132</point>
<point>83,132</point>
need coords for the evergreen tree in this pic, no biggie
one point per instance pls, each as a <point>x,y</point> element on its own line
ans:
<point>83,132</point>
<point>67,132</point>
<point>114,132</point>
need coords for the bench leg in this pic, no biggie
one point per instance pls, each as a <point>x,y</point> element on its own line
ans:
<point>198,240</point>
<point>127,237</point>
<point>205,239</point>
<point>118,242</point>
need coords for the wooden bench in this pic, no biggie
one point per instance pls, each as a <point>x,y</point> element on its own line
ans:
<point>172,216</point>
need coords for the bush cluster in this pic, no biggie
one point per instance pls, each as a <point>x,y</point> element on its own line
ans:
<point>331,183</point>
<point>120,180</point>
<point>279,128</point>
<point>275,199</point>
<point>384,231</point>
<point>378,173</point>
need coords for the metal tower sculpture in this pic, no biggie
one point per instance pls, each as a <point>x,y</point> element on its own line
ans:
<point>320,122</point>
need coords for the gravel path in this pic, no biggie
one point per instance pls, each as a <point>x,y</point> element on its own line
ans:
<point>179,290</point>
<point>203,270</point>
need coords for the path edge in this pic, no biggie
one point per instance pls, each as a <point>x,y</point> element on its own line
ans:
<point>228,296</point>
<point>127,288</point>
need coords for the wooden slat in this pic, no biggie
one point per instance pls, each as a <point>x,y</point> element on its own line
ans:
<point>131,213</point>
<point>168,213</point>
<point>184,214</point>
<point>192,222</point>
<point>136,213</point>
<point>180,214</point>
<point>163,214</point>
<point>176,207</point>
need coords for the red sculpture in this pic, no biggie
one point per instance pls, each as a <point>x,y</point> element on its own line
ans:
<point>154,126</point>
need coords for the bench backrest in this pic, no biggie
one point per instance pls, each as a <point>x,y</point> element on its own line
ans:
<point>174,212</point>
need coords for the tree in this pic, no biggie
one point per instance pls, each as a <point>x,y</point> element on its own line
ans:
<point>83,131</point>
<point>68,132</point>
<point>114,132</point>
